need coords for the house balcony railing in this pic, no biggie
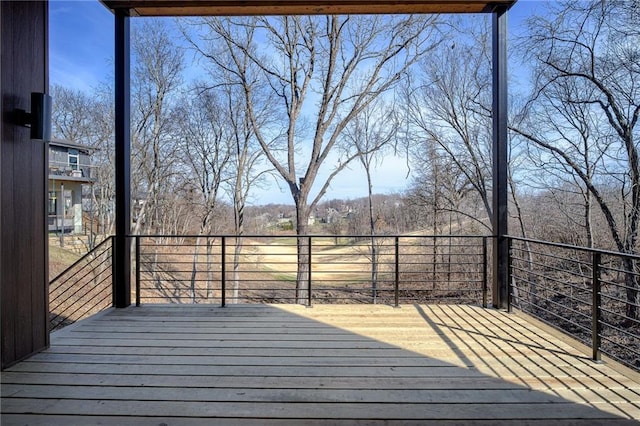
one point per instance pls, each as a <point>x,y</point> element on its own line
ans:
<point>63,170</point>
<point>587,293</point>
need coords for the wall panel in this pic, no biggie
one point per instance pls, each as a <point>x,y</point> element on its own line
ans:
<point>23,183</point>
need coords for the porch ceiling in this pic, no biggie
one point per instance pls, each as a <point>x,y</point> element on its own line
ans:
<point>298,7</point>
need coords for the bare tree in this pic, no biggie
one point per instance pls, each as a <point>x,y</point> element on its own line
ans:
<point>206,146</point>
<point>587,64</point>
<point>246,172</point>
<point>574,128</point>
<point>156,78</point>
<point>73,116</point>
<point>370,134</point>
<point>229,78</point>
<point>448,105</point>
<point>320,73</point>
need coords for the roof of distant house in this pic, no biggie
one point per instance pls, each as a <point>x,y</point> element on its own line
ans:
<point>69,144</point>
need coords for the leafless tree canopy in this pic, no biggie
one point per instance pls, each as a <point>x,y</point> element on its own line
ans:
<point>223,106</point>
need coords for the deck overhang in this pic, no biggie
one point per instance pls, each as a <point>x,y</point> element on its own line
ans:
<point>299,7</point>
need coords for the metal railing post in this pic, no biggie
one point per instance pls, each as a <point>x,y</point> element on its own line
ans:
<point>596,305</point>
<point>485,274</point>
<point>112,240</point>
<point>309,272</point>
<point>397,274</point>
<point>509,275</point>
<point>137,238</point>
<point>223,272</point>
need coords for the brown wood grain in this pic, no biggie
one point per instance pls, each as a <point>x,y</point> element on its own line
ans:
<point>331,364</point>
<point>298,7</point>
<point>23,273</point>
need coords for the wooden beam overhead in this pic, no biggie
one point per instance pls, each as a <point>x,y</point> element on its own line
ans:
<point>299,7</point>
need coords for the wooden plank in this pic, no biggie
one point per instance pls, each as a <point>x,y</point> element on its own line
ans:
<point>400,331</point>
<point>272,382</point>
<point>409,396</point>
<point>163,343</point>
<point>320,334</point>
<point>256,337</point>
<point>441,353</point>
<point>419,347</point>
<point>354,370</point>
<point>67,420</point>
<point>214,329</point>
<point>255,360</point>
<point>448,369</point>
<point>244,355</point>
<point>218,355</point>
<point>235,352</point>
<point>248,370</point>
<point>180,327</point>
<point>187,382</point>
<point>313,410</point>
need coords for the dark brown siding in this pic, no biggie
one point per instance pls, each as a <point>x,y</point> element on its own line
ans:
<point>23,165</point>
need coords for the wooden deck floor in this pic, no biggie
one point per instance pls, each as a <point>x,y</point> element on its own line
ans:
<point>337,364</point>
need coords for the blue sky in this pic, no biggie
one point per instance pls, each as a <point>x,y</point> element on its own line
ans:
<point>80,43</point>
<point>80,57</point>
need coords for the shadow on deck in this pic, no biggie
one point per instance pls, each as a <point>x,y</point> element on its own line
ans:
<point>330,364</point>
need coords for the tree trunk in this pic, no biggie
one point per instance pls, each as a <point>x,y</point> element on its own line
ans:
<point>194,269</point>
<point>531,278</point>
<point>372,230</point>
<point>236,270</point>
<point>632,283</point>
<point>209,268</point>
<point>302,229</point>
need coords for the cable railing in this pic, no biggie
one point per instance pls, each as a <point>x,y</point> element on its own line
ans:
<point>84,288</point>
<point>593,295</point>
<point>389,269</point>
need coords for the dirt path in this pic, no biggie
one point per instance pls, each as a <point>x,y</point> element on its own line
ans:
<point>329,262</point>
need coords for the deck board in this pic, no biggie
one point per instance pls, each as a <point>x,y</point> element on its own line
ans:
<point>337,364</point>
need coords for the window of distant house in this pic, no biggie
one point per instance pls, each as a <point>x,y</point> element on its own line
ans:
<point>52,203</point>
<point>73,159</point>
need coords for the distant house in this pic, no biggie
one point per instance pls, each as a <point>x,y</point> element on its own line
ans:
<point>69,171</point>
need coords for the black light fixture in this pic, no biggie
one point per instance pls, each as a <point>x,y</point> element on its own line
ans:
<point>39,119</point>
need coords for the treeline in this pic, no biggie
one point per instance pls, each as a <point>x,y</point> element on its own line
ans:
<point>222,106</point>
